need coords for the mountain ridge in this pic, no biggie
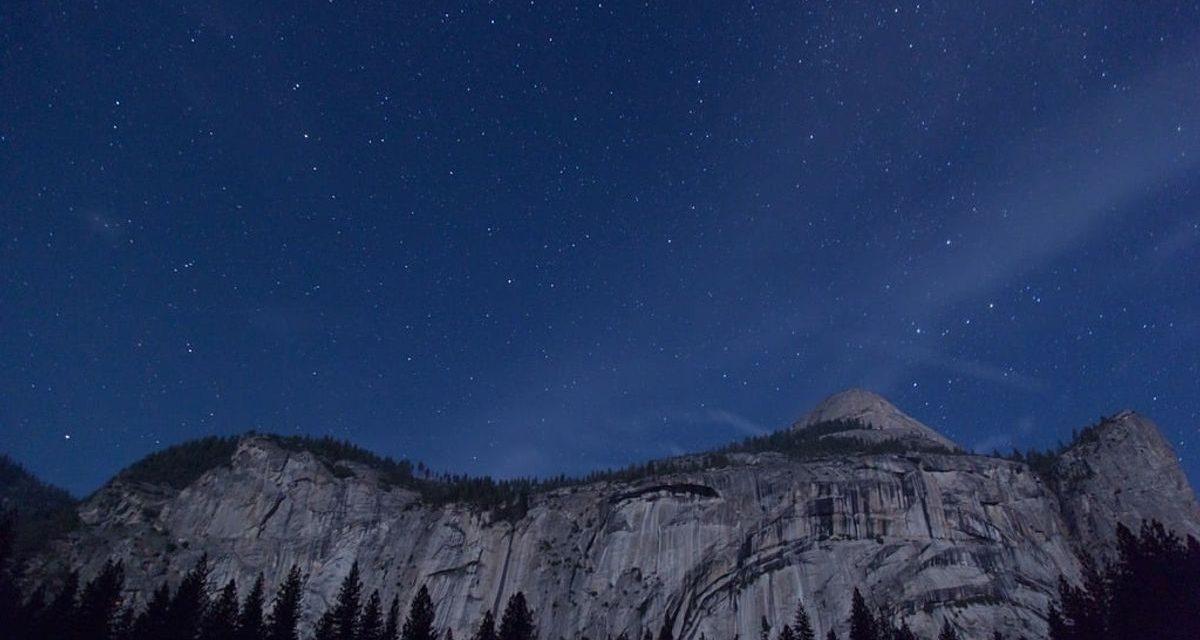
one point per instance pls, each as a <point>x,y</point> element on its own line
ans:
<point>713,547</point>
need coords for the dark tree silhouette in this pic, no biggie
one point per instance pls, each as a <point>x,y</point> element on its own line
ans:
<point>221,618</point>
<point>787,633</point>
<point>285,614</point>
<point>832,635</point>
<point>862,623</point>
<point>100,603</point>
<point>948,631</point>
<point>517,622</point>
<point>764,629</point>
<point>487,628</point>
<point>58,620</point>
<point>152,623</point>
<point>325,627</point>
<point>391,628</point>
<point>1151,591</point>
<point>419,624</point>
<point>345,610</point>
<point>250,620</point>
<point>191,599</point>
<point>370,625</point>
<point>802,624</point>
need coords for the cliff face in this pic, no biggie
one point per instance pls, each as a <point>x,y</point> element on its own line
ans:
<point>978,540</point>
<point>1125,472</point>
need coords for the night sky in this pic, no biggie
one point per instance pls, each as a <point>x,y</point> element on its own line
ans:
<point>533,238</point>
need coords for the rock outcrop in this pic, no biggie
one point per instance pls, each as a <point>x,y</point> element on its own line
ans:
<point>1124,472</point>
<point>926,536</point>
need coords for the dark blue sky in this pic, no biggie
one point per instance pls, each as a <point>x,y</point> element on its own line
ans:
<point>531,238</point>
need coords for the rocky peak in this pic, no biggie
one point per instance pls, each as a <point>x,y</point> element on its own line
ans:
<point>883,421</point>
<point>1124,471</point>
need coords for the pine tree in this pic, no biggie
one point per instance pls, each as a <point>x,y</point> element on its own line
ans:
<point>487,628</point>
<point>948,632</point>
<point>862,623</point>
<point>450,634</point>
<point>100,603</point>
<point>832,635</point>
<point>391,629</point>
<point>787,633</point>
<point>419,624</point>
<point>803,628</point>
<point>517,622</point>
<point>884,629</point>
<point>325,629</point>
<point>191,599</point>
<point>221,618</point>
<point>904,633</point>
<point>370,625</point>
<point>285,614</point>
<point>58,620</point>
<point>250,621</point>
<point>151,624</point>
<point>346,608</point>
<point>764,629</point>
<point>997,636</point>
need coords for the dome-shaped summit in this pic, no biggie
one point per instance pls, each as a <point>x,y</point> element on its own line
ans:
<point>882,420</point>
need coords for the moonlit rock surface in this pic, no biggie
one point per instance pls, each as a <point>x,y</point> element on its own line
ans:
<point>883,419</point>
<point>926,536</point>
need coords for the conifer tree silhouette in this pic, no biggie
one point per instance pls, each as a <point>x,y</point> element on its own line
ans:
<point>221,618</point>
<point>391,628</point>
<point>487,627</point>
<point>802,625</point>
<point>250,618</point>
<point>285,614</point>
<point>419,624</point>
<point>517,622</point>
<point>346,608</point>
<point>862,623</point>
<point>100,603</point>
<point>370,624</point>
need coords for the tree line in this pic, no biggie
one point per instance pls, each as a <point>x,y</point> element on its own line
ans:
<point>180,465</point>
<point>1151,590</point>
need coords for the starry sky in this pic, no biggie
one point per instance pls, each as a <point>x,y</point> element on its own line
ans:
<point>534,238</point>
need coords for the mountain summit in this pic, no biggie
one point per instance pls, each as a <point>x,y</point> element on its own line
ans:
<point>881,419</point>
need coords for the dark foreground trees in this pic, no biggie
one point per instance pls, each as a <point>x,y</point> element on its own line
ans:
<point>1152,590</point>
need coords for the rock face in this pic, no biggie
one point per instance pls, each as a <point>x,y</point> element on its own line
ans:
<point>976,540</point>
<point>1125,472</point>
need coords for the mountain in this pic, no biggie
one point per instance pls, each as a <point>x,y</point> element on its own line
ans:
<point>881,420</point>
<point>45,511</point>
<point>714,543</point>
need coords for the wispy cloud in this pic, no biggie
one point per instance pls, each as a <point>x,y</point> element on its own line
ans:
<point>740,423</point>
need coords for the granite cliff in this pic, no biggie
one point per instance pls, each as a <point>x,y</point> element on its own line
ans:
<point>926,534</point>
